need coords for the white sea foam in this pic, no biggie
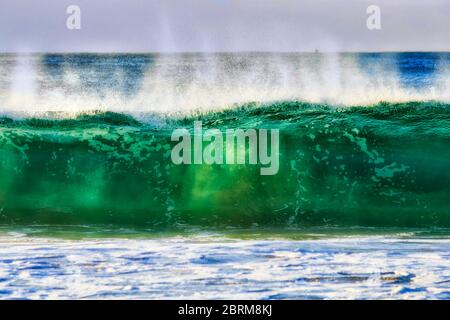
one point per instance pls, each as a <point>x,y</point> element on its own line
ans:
<point>212,267</point>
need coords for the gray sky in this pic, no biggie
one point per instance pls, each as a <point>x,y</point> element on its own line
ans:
<point>224,25</point>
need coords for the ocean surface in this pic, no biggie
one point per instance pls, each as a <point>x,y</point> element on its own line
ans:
<point>252,265</point>
<point>91,205</point>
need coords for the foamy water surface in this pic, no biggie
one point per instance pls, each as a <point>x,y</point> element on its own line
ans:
<point>213,267</point>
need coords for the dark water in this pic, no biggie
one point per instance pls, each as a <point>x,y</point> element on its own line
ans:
<point>98,72</point>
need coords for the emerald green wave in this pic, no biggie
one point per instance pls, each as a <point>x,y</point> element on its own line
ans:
<point>385,165</point>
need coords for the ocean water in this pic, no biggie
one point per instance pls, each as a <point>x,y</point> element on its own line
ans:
<point>213,266</point>
<point>91,205</point>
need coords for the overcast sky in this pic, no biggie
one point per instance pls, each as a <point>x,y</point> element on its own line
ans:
<point>224,25</point>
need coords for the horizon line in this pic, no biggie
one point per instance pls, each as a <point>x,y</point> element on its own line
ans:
<point>220,52</point>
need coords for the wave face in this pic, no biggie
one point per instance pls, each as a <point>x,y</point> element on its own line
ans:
<point>85,139</point>
<point>384,165</point>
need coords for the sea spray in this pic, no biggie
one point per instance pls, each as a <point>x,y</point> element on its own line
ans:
<point>170,84</point>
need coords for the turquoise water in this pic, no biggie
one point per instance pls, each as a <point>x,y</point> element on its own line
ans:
<point>373,166</point>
